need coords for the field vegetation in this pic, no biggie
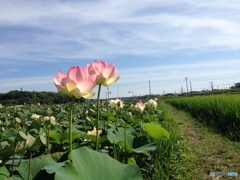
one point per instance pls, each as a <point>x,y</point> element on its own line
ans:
<point>139,143</point>
<point>146,139</point>
<point>221,112</point>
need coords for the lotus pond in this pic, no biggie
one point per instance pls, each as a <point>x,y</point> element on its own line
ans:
<point>35,140</point>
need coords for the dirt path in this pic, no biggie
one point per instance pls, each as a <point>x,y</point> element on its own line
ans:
<point>208,151</point>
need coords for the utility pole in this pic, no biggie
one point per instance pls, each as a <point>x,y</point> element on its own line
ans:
<point>117,93</point>
<point>108,92</point>
<point>190,87</point>
<point>149,88</point>
<point>211,85</point>
<point>181,90</point>
<point>186,83</point>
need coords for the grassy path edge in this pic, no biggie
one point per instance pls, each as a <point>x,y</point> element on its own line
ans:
<point>206,150</point>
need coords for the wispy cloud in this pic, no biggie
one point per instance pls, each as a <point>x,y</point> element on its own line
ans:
<point>17,82</point>
<point>106,28</point>
<point>75,31</point>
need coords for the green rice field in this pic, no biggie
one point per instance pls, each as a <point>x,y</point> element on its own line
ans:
<point>222,112</point>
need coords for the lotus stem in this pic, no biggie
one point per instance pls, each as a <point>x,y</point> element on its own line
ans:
<point>13,160</point>
<point>48,129</point>
<point>114,150</point>
<point>29,166</point>
<point>70,127</point>
<point>22,153</point>
<point>116,121</point>
<point>98,115</point>
<point>125,143</point>
<point>1,137</point>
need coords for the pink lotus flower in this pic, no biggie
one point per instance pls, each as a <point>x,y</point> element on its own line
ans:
<point>77,82</point>
<point>105,73</point>
<point>139,106</point>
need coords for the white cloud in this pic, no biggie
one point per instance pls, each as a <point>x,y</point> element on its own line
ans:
<point>21,82</point>
<point>64,31</point>
<point>109,28</point>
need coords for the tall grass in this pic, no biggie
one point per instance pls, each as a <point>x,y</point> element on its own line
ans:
<point>170,158</point>
<point>222,112</point>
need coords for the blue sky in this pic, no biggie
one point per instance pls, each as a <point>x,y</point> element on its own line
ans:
<point>161,41</point>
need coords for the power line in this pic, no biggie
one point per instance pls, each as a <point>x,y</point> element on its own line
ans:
<point>143,86</point>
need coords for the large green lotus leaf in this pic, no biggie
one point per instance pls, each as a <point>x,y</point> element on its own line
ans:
<point>156,131</point>
<point>53,167</point>
<point>125,145</point>
<point>6,153</point>
<point>145,148</point>
<point>55,137</point>
<point>88,164</point>
<point>115,136</point>
<point>20,145</point>
<point>22,136</point>
<point>4,173</point>
<point>137,145</point>
<point>37,165</point>
<point>9,133</point>
<point>121,137</point>
<point>43,134</point>
<point>63,137</point>
<point>92,138</point>
<point>35,125</point>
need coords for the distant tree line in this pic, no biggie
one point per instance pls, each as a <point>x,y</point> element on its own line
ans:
<point>27,97</point>
<point>236,86</point>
